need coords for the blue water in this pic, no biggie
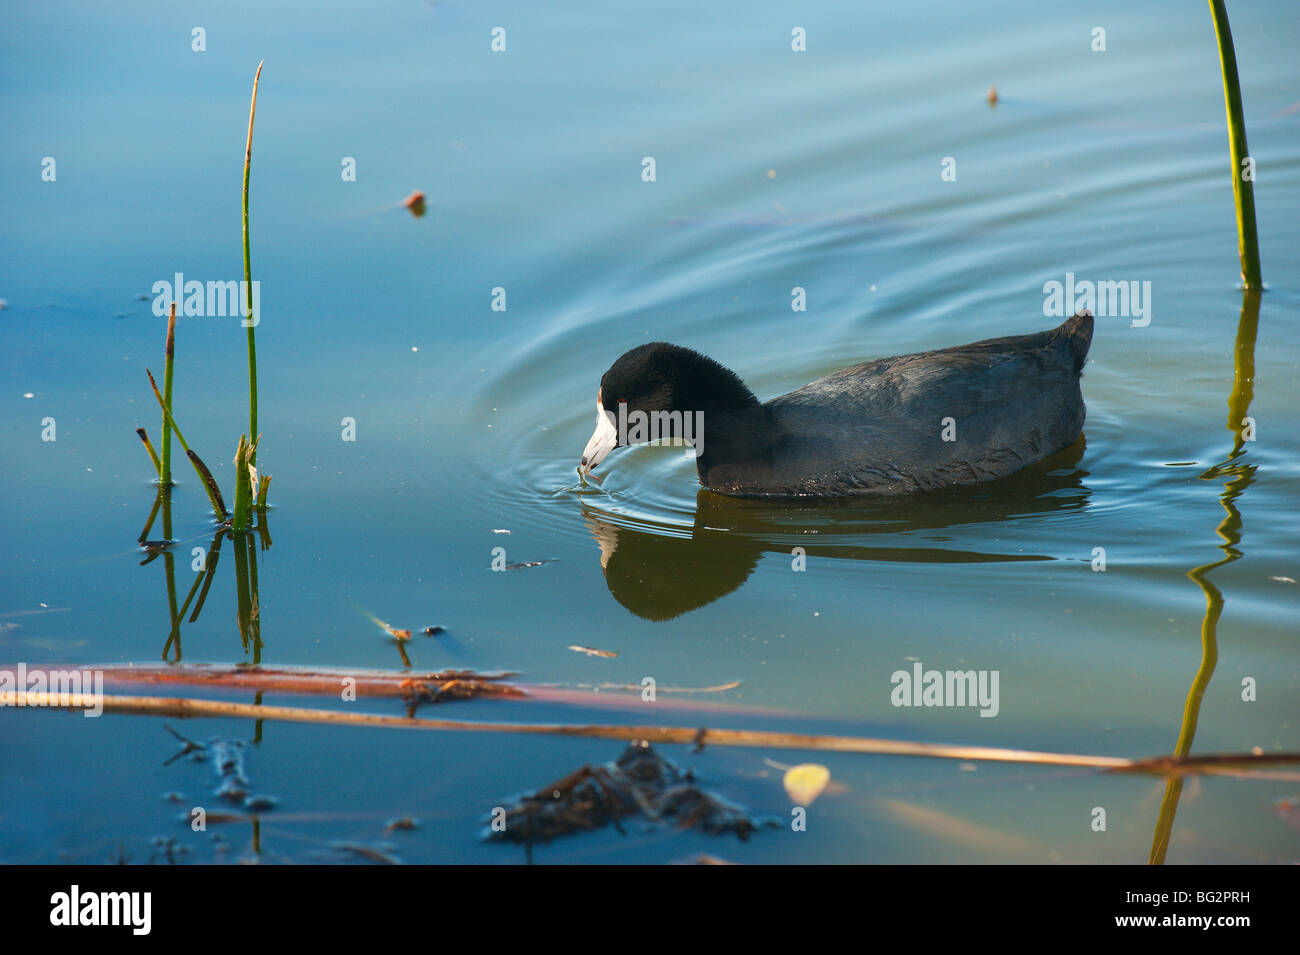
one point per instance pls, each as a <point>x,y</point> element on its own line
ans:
<point>774,169</point>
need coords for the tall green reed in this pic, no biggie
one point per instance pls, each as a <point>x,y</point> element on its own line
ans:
<point>1243,185</point>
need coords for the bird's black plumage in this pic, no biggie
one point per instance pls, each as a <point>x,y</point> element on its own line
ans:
<point>874,428</point>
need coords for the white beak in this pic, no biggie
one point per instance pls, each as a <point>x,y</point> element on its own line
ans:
<point>603,441</point>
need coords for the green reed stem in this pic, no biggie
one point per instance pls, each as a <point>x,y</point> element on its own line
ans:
<point>165,474</point>
<point>243,596</point>
<point>169,563</point>
<point>169,424</point>
<point>248,274</point>
<point>214,491</point>
<point>1243,369</point>
<point>1243,189</point>
<point>148,446</point>
<point>255,609</point>
<point>214,553</point>
<point>243,486</point>
<point>153,514</point>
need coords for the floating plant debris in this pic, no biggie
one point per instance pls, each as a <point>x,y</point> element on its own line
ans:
<point>528,563</point>
<point>380,853</point>
<point>805,782</point>
<point>415,202</point>
<point>592,652</point>
<point>390,630</point>
<point>216,818</point>
<point>227,757</point>
<point>367,683</point>
<point>165,850</point>
<point>640,783</point>
<point>449,686</point>
<point>154,548</point>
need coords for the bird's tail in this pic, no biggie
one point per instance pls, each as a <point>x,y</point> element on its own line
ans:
<point>1078,331</point>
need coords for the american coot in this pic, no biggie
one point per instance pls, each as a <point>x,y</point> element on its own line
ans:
<point>959,415</point>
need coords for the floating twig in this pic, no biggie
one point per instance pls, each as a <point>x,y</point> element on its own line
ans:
<point>1232,764</point>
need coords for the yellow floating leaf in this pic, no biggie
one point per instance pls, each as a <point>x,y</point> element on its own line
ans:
<point>805,782</point>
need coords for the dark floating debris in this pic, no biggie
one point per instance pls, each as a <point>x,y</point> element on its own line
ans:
<point>188,746</point>
<point>153,548</point>
<point>640,783</point>
<point>227,758</point>
<point>166,851</point>
<point>451,685</point>
<point>528,563</point>
<point>433,631</point>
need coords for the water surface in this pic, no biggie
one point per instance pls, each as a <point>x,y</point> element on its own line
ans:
<point>774,169</point>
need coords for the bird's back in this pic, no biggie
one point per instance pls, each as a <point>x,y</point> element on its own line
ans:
<point>958,415</point>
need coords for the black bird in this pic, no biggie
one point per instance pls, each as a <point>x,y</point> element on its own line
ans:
<point>959,415</point>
